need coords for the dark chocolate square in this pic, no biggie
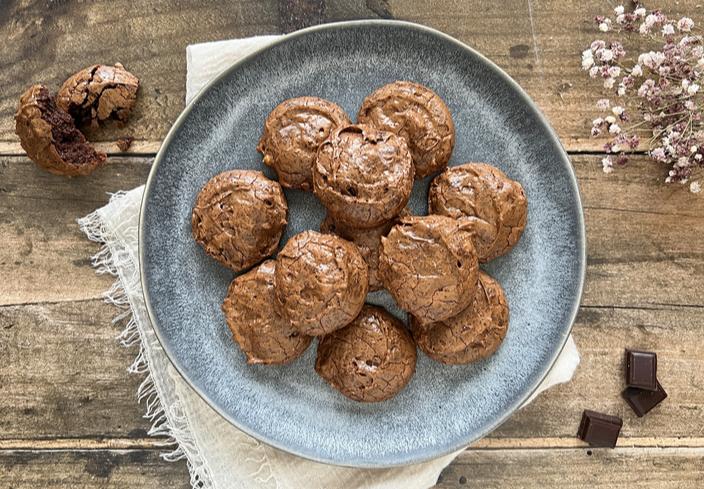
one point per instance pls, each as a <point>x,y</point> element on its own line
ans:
<point>599,430</point>
<point>642,401</point>
<point>641,369</point>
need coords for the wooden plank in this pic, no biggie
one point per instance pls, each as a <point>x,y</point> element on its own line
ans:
<point>601,335</point>
<point>544,469</point>
<point>639,231</point>
<point>40,242</point>
<point>64,374</point>
<point>73,384</point>
<point>485,443</point>
<point>104,469</point>
<point>576,469</point>
<point>537,43</point>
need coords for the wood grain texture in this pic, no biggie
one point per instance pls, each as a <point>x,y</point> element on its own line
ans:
<point>576,469</point>
<point>104,469</point>
<point>64,373</point>
<point>537,42</point>
<point>40,241</point>
<point>68,411</point>
<point>73,383</point>
<point>486,469</point>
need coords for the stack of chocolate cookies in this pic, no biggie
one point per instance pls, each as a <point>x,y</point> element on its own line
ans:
<point>364,174</point>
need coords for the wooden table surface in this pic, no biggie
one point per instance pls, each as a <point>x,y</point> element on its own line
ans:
<point>68,412</point>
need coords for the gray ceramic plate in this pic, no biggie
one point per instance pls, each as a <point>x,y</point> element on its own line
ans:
<point>290,407</point>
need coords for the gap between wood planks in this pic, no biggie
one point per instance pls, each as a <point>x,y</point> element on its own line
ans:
<point>582,147</point>
<point>485,444</point>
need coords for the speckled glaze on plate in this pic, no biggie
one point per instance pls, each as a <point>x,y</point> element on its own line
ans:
<point>443,408</point>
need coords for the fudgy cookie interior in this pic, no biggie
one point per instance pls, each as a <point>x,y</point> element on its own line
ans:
<point>69,142</point>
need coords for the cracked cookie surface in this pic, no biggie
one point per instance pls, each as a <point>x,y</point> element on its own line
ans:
<point>473,334</point>
<point>261,332</point>
<point>368,241</point>
<point>98,93</point>
<point>430,266</point>
<point>370,360</point>
<point>239,217</point>
<point>494,206</point>
<point>364,177</point>
<point>417,114</point>
<point>50,137</point>
<point>321,282</point>
<point>293,131</point>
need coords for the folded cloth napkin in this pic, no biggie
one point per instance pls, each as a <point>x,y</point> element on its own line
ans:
<point>218,454</point>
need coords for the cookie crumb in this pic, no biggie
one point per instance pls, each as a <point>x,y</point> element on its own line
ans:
<point>124,143</point>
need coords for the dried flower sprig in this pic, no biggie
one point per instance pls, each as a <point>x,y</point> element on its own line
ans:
<point>662,89</point>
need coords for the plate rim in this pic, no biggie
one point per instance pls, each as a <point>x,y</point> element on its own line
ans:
<point>581,239</point>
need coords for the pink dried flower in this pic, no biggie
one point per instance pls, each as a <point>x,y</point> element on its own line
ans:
<point>662,92</point>
<point>685,24</point>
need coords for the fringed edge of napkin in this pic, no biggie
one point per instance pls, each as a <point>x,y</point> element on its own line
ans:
<point>173,423</point>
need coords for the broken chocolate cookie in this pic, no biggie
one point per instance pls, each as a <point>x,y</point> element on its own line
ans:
<point>98,93</point>
<point>50,137</point>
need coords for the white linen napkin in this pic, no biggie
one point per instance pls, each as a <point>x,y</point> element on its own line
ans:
<point>219,456</point>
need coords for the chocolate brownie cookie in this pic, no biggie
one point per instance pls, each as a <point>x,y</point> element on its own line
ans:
<point>98,93</point>
<point>363,176</point>
<point>430,267</point>
<point>260,331</point>
<point>239,217</point>
<point>370,360</point>
<point>417,114</point>
<point>474,333</point>
<point>50,137</point>
<point>368,241</point>
<point>321,282</point>
<point>493,204</point>
<point>292,134</point>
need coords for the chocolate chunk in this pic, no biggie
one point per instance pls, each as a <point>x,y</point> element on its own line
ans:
<point>599,430</point>
<point>642,401</point>
<point>641,369</point>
